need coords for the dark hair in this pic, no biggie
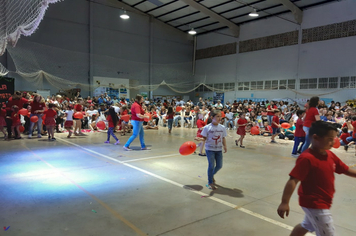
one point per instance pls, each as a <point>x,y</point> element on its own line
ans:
<point>170,110</point>
<point>214,113</point>
<point>51,105</point>
<point>314,101</point>
<point>321,128</point>
<point>113,115</point>
<point>241,114</point>
<point>138,98</point>
<point>299,112</point>
<point>277,110</point>
<point>344,130</point>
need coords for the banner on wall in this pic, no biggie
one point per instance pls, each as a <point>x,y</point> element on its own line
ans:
<point>218,96</point>
<point>7,88</point>
<point>252,99</point>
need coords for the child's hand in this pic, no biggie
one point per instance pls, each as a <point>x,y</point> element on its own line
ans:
<point>283,208</point>
<point>225,149</point>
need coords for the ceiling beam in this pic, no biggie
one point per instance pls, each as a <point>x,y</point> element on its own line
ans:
<point>296,11</point>
<point>235,29</point>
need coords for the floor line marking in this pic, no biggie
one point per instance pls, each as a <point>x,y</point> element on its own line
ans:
<point>257,215</point>
<point>148,158</point>
<point>106,206</point>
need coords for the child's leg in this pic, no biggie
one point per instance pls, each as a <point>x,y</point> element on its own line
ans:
<point>52,131</point>
<point>210,155</point>
<point>296,144</point>
<point>318,220</point>
<point>80,126</point>
<point>298,231</point>
<point>3,130</point>
<point>241,139</point>
<point>18,130</point>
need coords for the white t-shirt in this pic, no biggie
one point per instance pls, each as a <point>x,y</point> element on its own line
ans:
<point>69,115</point>
<point>117,109</point>
<point>214,136</point>
<point>92,112</point>
<point>229,115</point>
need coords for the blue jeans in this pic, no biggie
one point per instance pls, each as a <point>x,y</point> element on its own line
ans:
<point>187,118</point>
<point>111,132</point>
<point>215,159</point>
<point>230,122</point>
<point>137,131</point>
<point>170,123</point>
<point>176,119</point>
<point>350,139</point>
<point>270,118</point>
<point>307,139</point>
<point>297,141</point>
<point>38,123</point>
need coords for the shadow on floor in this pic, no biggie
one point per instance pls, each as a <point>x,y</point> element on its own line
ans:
<point>138,148</point>
<point>233,192</point>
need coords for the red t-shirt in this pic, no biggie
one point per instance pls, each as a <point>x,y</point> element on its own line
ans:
<point>268,128</point>
<point>316,173</point>
<point>343,137</point>
<point>125,112</point>
<point>18,102</point>
<point>37,106</point>
<point>271,113</point>
<point>275,120</point>
<point>15,116</point>
<point>78,107</point>
<point>354,132</point>
<point>169,116</point>
<point>299,132</point>
<point>50,113</point>
<point>310,116</point>
<point>110,121</point>
<point>136,108</point>
<point>241,122</point>
<point>154,114</point>
<point>3,113</point>
<point>200,124</point>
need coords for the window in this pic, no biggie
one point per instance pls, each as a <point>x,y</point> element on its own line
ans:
<point>291,83</point>
<point>333,82</point>
<point>323,83</point>
<point>197,89</point>
<point>344,82</point>
<point>219,86</point>
<point>353,82</point>
<point>308,83</point>
<point>259,85</point>
<point>229,86</point>
<point>206,89</point>
<point>246,85</point>
<point>283,84</point>
<point>268,85</point>
<point>240,86</point>
<point>253,85</point>
<point>275,84</point>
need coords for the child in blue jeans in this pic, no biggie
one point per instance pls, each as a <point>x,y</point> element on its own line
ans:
<point>299,134</point>
<point>214,135</point>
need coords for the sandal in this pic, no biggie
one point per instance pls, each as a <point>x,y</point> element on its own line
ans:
<point>241,146</point>
<point>211,186</point>
<point>201,154</point>
<point>236,143</point>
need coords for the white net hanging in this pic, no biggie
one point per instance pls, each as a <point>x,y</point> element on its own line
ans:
<point>19,17</point>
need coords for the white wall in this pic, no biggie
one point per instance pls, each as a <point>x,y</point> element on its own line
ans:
<point>136,49</point>
<point>312,60</point>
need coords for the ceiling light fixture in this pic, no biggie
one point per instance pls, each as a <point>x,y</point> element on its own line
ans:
<point>253,13</point>
<point>192,32</point>
<point>124,16</point>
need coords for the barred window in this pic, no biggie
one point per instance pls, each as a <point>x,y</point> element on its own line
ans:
<point>219,86</point>
<point>268,85</point>
<point>353,82</point>
<point>240,86</point>
<point>208,89</point>
<point>308,83</point>
<point>253,85</point>
<point>344,82</point>
<point>291,83</point>
<point>259,85</point>
<point>323,83</point>
<point>275,84</point>
<point>333,82</point>
<point>283,84</point>
<point>229,86</point>
<point>246,85</point>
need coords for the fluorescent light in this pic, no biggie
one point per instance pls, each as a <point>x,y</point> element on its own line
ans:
<point>254,13</point>
<point>192,32</point>
<point>124,16</point>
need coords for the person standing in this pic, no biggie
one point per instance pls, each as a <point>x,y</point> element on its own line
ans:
<point>19,101</point>
<point>137,117</point>
<point>37,106</point>
<point>311,116</point>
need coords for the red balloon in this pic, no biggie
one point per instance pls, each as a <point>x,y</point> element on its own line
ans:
<point>187,148</point>
<point>255,131</point>
<point>148,119</point>
<point>21,128</point>
<point>222,114</point>
<point>34,119</point>
<point>78,115</point>
<point>178,109</point>
<point>285,125</point>
<point>23,111</point>
<point>336,143</point>
<point>125,118</point>
<point>101,125</point>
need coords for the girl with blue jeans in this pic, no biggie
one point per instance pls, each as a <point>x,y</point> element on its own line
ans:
<point>214,135</point>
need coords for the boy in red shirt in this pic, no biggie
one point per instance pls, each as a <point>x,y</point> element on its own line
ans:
<point>315,169</point>
<point>299,134</point>
<point>352,126</point>
<point>343,138</point>
<point>275,125</point>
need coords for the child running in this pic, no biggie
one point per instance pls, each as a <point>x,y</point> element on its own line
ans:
<point>214,136</point>
<point>169,117</point>
<point>241,129</point>
<point>112,120</point>
<point>275,125</point>
<point>299,134</point>
<point>199,137</point>
<point>50,121</point>
<point>68,125</point>
<point>315,169</point>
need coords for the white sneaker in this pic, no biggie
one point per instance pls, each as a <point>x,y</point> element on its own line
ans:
<point>39,136</point>
<point>295,155</point>
<point>30,136</point>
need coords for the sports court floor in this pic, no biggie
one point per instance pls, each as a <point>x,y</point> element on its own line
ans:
<point>81,187</point>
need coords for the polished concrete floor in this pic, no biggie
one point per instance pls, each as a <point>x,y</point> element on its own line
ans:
<point>81,186</point>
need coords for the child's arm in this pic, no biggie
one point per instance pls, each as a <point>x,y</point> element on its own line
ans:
<point>351,173</point>
<point>276,124</point>
<point>287,193</point>
<point>224,143</point>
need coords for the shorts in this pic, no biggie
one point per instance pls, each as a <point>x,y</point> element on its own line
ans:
<point>318,220</point>
<point>68,124</point>
<point>276,130</point>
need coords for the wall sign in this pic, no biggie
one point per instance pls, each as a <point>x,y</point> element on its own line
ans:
<point>7,88</point>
